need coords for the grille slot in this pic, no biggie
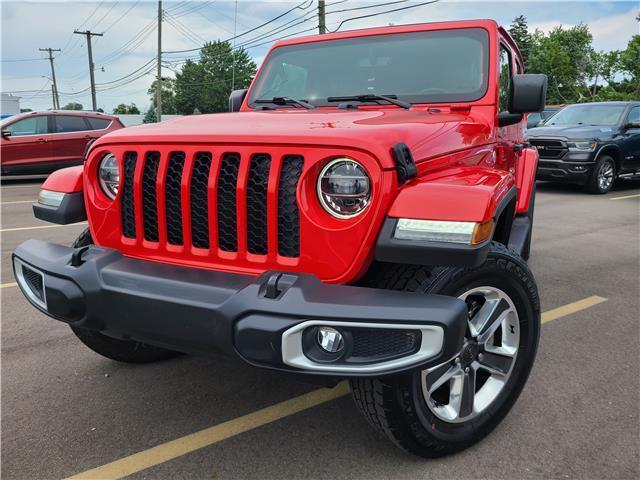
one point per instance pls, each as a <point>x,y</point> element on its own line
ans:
<point>173,198</point>
<point>378,343</point>
<point>172,190</point>
<point>34,281</point>
<point>257,204</point>
<point>128,206</point>
<point>149,199</point>
<point>288,214</point>
<point>227,222</point>
<point>199,200</point>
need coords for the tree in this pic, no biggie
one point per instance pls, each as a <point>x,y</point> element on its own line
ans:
<point>519,31</point>
<point>206,84</point>
<point>150,116</point>
<point>630,66</point>
<point>168,95</point>
<point>123,109</point>
<point>73,106</point>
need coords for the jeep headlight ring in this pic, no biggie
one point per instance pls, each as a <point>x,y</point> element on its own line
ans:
<point>109,175</point>
<point>344,188</point>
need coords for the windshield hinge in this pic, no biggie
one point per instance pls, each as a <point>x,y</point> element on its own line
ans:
<point>405,166</point>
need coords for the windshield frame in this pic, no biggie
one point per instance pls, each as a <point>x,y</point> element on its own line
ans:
<point>487,48</point>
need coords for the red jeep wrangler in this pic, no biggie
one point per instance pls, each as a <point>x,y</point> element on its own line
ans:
<point>365,213</point>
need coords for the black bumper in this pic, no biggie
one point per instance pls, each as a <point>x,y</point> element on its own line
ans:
<point>209,312</point>
<point>565,170</point>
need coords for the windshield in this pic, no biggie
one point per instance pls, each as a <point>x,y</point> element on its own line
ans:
<point>596,115</point>
<point>421,67</point>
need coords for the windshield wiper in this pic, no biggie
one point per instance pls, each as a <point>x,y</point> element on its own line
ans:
<point>370,97</point>
<point>286,101</point>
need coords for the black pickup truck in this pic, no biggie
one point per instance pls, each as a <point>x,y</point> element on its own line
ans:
<point>591,144</point>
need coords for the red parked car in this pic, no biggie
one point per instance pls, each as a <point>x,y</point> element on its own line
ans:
<point>41,142</point>
<point>364,212</point>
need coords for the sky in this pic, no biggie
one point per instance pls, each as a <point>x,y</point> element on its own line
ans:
<point>124,56</point>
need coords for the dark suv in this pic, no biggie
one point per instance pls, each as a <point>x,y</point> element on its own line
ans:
<point>590,144</point>
<point>41,142</point>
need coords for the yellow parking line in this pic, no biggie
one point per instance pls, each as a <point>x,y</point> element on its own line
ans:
<point>17,229</point>
<point>572,308</point>
<point>209,436</point>
<point>8,285</point>
<point>625,197</point>
<point>181,446</point>
<point>17,202</point>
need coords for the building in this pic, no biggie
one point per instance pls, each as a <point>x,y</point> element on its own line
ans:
<point>10,105</point>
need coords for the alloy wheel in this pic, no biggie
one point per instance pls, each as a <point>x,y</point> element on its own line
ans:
<point>466,385</point>
<point>605,176</point>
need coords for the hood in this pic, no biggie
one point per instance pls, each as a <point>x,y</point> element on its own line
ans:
<point>586,132</point>
<point>429,134</point>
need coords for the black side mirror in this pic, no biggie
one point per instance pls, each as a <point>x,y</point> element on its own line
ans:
<point>236,98</point>
<point>528,93</point>
<point>632,125</point>
<point>6,133</point>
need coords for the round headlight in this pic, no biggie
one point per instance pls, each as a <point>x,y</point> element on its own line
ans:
<point>109,175</point>
<point>344,188</point>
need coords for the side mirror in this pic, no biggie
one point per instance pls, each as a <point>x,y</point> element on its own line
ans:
<point>236,98</point>
<point>632,125</point>
<point>528,93</point>
<point>6,133</point>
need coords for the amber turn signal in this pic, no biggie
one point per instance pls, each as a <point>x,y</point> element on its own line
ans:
<point>482,232</point>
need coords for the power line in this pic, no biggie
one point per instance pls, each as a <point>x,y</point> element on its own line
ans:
<point>382,13</point>
<point>121,17</point>
<point>299,6</point>
<point>22,60</point>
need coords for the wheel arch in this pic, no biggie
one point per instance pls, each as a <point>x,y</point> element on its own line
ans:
<point>614,152</point>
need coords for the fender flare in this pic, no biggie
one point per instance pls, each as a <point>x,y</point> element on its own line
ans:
<point>464,194</point>
<point>70,209</point>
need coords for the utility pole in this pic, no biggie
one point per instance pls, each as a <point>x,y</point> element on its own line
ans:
<point>159,81</point>
<point>322,24</point>
<point>89,34</point>
<point>53,97</point>
<point>54,86</point>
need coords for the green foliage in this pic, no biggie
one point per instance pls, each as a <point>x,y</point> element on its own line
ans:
<point>123,109</point>
<point>205,85</point>
<point>519,31</point>
<point>73,106</point>
<point>150,116</point>
<point>578,73</point>
<point>168,95</point>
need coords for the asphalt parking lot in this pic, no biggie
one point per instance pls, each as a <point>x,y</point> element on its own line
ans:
<point>67,411</point>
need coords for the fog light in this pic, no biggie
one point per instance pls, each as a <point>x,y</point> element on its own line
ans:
<point>330,339</point>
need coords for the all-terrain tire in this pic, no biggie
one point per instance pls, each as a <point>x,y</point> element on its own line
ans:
<point>395,405</point>
<point>127,351</point>
<point>595,184</point>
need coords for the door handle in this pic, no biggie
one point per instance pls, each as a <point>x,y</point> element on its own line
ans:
<point>42,140</point>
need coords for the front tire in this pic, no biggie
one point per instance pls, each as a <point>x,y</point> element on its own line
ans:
<point>447,408</point>
<point>603,176</point>
<point>128,351</point>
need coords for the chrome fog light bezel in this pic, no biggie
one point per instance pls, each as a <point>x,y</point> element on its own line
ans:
<point>22,282</point>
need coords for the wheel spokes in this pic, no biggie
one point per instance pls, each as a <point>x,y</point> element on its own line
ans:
<point>487,315</point>
<point>440,375</point>
<point>494,364</point>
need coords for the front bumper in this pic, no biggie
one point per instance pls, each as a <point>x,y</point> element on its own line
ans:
<point>267,321</point>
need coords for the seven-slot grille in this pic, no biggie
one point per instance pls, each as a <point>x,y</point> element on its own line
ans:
<point>186,190</point>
